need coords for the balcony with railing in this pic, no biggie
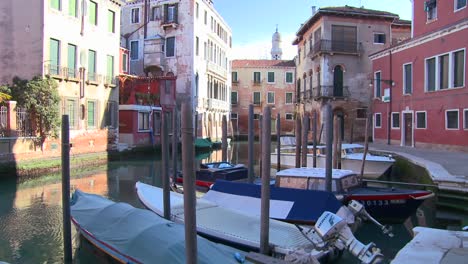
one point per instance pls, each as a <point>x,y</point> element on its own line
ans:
<point>335,46</point>
<point>110,81</point>
<point>330,92</point>
<point>216,104</point>
<point>216,69</point>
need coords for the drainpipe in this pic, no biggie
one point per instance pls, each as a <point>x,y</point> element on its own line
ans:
<point>389,123</point>
<point>145,19</point>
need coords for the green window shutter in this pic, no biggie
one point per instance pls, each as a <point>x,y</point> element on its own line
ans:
<point>55,4</point>
<point>110,66</point>
<point>92,15</point>
<point>54,56</point>
<point>91,112</point>
<point>92,65</point>
<point>289,78</point>
<point>71,63</point>
<point>111,21</point>
<point>72,8</point>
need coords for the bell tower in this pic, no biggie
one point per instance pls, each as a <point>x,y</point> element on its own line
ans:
<point>276,51</point>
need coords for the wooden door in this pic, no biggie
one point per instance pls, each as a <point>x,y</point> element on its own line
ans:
<point>408,117</point>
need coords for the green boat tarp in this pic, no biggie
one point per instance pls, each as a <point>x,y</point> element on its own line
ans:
<point>139,236</point>
<point>203,143</point>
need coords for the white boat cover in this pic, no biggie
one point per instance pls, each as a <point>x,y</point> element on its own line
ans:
<point>226,224</point>
<point>139,233</point>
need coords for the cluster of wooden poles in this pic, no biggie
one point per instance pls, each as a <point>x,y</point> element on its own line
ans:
<point>188,168</point>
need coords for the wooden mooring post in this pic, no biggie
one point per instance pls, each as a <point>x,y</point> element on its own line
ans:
<point>265,191</point>
<point>298,140</point>
<point>224,139</point>
<point>67,235</point>
<point>251,144</point>
<point>278,140</point>
<point>165,166</point>
<point>329,142</point>
<point>188,155</point>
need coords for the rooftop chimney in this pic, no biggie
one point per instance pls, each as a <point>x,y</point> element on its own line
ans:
<point>314,10</point>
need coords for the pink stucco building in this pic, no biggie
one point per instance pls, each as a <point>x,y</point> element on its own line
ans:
<point>420,93</point>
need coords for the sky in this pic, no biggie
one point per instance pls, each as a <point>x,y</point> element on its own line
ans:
<point>253,22</point>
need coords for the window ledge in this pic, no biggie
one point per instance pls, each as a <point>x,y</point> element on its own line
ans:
<point>96,83</point>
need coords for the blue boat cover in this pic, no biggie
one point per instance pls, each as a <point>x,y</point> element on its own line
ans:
<point>306,205</point>
<point>140,234</point>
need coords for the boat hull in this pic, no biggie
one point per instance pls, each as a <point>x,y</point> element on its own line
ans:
<point>205,177</point>
<point>389,205</point>
<point>372,169</point>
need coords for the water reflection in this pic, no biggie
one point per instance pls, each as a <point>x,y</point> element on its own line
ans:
<point>31,214</point>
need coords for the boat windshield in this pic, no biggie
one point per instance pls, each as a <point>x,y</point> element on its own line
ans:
<point>354,150</point>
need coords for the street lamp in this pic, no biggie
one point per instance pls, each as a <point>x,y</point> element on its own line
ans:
<point>389,111</point>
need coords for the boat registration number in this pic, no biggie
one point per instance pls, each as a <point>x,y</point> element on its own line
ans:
<point>382,202</point>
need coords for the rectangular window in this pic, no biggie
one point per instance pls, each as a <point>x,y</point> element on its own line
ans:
<point>451,119</point>
<point>124,62</point>
<point>196,10</point>
<point>234,77</point>
<point>271,97</point>
<point>71,110</point>
<point>378,120</point>
<point>72,8</point>
<point>92,65</point>
<point>134,50</point>
<point>170,13</point>
<point>465,119</point>
<point>444,71</point>
<point>71,61</point>
<point>143,121</point>
<point>408,78</point>
<point>111,21</point>
<point>234,97</point>
<point>256,116</point>
<point>379,38</point>
<point>289,77</point>
<point>91,114</point>
<point>56,4</point>
<point>206,18</point>
<point>289,98</point>
<point>395,120</point>
<point>430,74</point>
<point>430,6</point>
<point>256,98</point>
<point>377,85</point>
<point>361,113</point>
<point>257,77</point>
<point>233,116</point>
<point>93,13</point>
<point>459,68</point>
<point>344,38</point>
<point>459,4</point>
<point>112,111</point>
<point>421,120</point>
<point>170,47</point>
<point>54,56</point>
<point>289,116</point>
<point>157,123</point>
<point>196,46</point>
<point>110,67</point>
<point>155,13</point>
<point>271,77</point>
<point>135,18</point>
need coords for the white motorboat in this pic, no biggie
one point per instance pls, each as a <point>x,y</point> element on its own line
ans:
<point>351,159</point>
<point>330,234</point>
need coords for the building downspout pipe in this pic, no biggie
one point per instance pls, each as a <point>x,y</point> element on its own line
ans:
<point>389,121</point>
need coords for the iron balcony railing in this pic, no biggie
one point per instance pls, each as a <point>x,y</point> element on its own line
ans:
<point>347,47</point>
<point>330,91</point>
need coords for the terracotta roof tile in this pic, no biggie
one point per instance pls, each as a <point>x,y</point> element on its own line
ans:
<point>262,63</point>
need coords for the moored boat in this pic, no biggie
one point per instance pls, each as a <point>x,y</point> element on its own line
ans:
<point>388,205</point>
<point>330,235</point>
<point>210,172</point>
<point>351,159</point>
<point>132,235</point>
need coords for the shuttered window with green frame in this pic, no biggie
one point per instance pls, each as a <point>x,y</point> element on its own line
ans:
<point>91,114</point>
<point>54,56</point>
<point>56,4</point>
<point>72,8</point>
<point>92,13</point>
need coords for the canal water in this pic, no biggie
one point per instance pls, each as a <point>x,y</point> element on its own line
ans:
<point>31,213</point>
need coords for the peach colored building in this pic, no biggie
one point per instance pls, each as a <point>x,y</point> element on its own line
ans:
<point>262,83</point>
